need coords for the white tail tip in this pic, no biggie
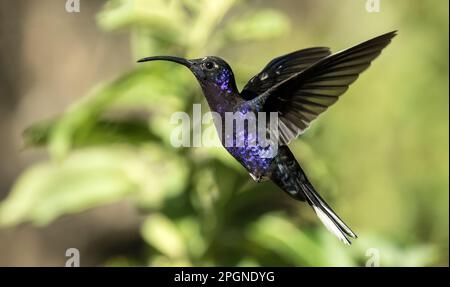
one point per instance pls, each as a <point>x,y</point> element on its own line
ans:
<point>331,226</point>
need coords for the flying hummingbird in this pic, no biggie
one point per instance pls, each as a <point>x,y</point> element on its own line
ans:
<point>299,86</point>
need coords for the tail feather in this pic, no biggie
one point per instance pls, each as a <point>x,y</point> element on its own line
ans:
<point>289,176</point>
<point>328,217</point>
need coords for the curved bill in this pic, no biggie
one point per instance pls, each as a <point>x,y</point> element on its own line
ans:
<point>178,60</point>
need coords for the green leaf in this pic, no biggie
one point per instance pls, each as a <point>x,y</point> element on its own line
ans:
<point>279,235</point>
<point>156,15</point>
<point>93,177</point>
<point>130,90</point>
<point>102,132</point>
<point>260,25</point>
<point>163,176</point>
<point>194,239</point>
<point>84,180</point>
<point>161,233</point>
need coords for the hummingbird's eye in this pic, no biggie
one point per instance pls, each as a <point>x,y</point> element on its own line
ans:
<point>209,65</point>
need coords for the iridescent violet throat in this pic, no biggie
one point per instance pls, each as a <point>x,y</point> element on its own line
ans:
<point>298,86</point>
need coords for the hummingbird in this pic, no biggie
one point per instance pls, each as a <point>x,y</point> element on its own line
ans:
<point>298,86</point>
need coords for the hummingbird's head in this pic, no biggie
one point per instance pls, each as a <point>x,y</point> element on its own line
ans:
<point>213,73</point>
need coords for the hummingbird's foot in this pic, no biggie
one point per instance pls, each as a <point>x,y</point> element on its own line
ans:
<point>258,178</point>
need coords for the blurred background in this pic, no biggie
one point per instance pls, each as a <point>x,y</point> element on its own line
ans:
<point>86,160</point>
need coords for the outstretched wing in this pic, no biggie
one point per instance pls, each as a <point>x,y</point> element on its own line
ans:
<point>303,96</point>
<point>281,68</point>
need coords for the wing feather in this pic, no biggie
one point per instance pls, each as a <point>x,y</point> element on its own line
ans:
<point>304,95</point>
<point>281,68</point>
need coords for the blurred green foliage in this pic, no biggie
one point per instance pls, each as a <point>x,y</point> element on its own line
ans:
<point>385,148</point>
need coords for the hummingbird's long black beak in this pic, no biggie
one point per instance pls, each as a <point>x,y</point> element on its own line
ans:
<point>178,60</point>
